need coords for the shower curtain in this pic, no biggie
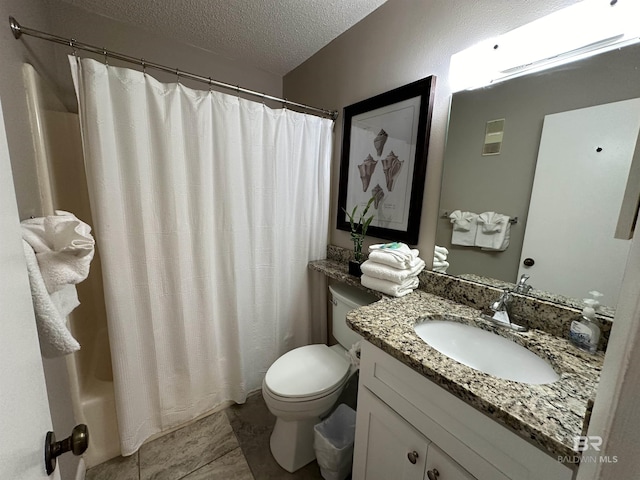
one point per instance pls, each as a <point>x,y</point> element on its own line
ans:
<point>207,209</point>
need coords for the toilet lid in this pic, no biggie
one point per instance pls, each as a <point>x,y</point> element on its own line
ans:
<point>306,371</point>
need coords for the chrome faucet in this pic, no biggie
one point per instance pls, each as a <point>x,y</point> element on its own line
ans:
<point>503,304</point>
<point>523,287</point>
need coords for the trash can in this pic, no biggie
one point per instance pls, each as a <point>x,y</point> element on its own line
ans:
<point>333,443</point>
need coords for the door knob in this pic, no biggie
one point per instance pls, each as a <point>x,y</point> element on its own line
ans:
<point>433,474</point>
<point>529,262</point>
<point>77,443</point>
<point>413,457</point>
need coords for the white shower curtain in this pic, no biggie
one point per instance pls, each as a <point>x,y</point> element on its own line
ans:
<point>207,209</point>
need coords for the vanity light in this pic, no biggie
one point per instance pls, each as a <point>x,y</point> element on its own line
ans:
<point>579,31</point>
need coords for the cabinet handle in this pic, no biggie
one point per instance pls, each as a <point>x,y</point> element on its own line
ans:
<point>413,457</point>
<point>433,474</point>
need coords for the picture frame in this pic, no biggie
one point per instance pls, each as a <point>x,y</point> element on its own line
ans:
<point>385,142</point>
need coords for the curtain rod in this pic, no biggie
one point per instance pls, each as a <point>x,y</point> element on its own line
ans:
<point>18,30</point>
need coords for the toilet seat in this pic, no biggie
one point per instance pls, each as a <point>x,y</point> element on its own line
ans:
<point>306,373</point>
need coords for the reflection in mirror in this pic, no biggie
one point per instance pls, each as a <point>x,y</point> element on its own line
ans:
<point>504,182</point>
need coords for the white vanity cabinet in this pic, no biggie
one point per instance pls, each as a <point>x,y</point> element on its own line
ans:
<point>389,448</point>
<point>404,418</point>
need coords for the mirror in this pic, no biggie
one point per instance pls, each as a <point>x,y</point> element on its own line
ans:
<point>504,182</point>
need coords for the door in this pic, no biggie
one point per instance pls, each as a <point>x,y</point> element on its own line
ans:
<point>386,446</point>
<point>581,174</point>
<point>24,409</point>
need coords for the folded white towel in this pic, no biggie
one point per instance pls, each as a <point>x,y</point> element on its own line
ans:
<point>396,254</point>
<point>440,266</point>
<point>494,231</point>
<point>64,248</point>
<point>385,272</point>
<point>50,310</point>
<point>441,251</point>
<point>464,228</point>
<point>392,261</point>
<point>439,256</point>
<point>390,288</point>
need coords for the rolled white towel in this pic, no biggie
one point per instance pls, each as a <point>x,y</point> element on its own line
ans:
<point>441,251</point>
<point>390,288</point>
<point>439,256</point>
<point>385,272</point>
<point>440,266</point>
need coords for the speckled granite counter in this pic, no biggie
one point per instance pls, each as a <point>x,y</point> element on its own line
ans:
<point>549,416</point>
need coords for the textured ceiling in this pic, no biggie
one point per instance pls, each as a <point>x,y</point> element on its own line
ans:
<point>273,35</point>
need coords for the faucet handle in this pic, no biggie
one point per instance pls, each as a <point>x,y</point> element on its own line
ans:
<point>523,287</point>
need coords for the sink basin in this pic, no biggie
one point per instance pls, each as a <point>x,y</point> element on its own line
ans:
<point>486,351</point>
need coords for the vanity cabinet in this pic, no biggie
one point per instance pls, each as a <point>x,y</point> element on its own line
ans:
<point>394,449</point>
<point>403,417</point>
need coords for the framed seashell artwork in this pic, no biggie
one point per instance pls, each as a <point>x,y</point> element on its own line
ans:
<point>385,141</point>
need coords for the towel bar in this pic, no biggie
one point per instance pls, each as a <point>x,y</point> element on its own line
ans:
<point>512,220</point>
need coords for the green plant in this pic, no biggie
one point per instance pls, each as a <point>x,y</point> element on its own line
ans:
<point>359,228</point>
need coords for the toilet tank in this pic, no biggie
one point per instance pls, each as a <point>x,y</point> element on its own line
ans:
<point>344,299</point>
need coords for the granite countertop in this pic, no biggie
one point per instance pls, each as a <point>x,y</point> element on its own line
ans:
<point>549,416</point>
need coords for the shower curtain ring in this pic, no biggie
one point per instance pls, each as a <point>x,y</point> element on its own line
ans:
<point>210,84</point>
<point>144,66</point>
<point>106,56</point>
<point>238,91</point>
<point>72,44</point>
<point>177,75</point>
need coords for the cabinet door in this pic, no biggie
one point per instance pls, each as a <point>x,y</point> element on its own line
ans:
<point>441,466</point>
<point>386,446</point>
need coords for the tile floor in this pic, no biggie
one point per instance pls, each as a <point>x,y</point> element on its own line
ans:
<point>229,445</point>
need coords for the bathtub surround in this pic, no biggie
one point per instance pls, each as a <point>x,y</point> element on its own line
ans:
<point>205,217</point>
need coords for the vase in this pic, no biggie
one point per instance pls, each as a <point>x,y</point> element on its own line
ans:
<point>354,268</point>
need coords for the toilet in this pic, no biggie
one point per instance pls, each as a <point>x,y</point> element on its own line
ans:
<point>304,384</point>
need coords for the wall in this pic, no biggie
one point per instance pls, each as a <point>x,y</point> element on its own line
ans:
<point>503,182</point>
<point>72,22</point>
<point>403,41</point>
<point>406,40</point>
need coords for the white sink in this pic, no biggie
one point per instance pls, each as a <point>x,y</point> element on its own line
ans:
<point>485,351</point>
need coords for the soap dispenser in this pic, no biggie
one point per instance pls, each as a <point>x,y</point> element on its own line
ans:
<point>585,332</point>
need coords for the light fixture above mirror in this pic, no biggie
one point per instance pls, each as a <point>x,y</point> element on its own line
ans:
<point>586,28</point>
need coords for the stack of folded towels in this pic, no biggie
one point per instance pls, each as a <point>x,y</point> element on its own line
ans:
<point>392,268</point>
<point>440,263</point>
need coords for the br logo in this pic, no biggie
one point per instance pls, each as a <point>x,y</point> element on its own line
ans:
<point>581,444</point>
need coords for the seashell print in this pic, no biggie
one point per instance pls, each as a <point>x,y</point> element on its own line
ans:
<point>380,140</point>
<point>366,170</point>
<point>391,167</point>
<point>378,194</point>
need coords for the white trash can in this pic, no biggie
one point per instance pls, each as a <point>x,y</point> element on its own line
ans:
<point>333,443</point>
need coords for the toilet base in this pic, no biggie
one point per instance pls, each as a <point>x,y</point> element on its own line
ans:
<point>292,443</point>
